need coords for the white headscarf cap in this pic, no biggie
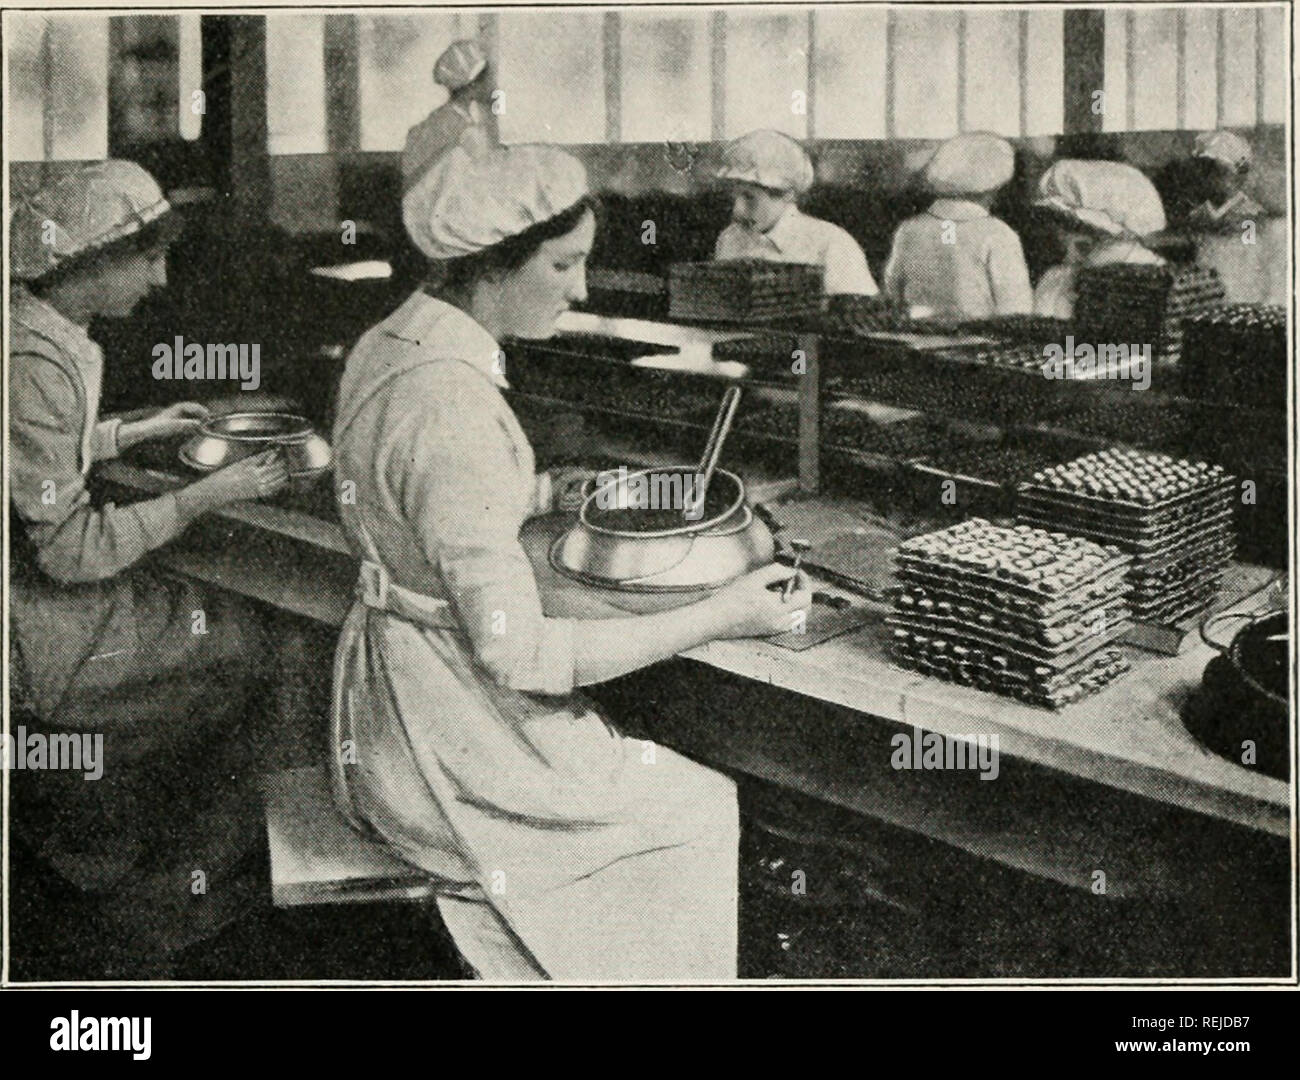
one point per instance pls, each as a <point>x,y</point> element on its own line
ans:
<point>460,64</point>
<point>1107,195</point>
<point>769,159</point>
<point>89,208</point>
<point>971,164</point>
<point>474,197</point>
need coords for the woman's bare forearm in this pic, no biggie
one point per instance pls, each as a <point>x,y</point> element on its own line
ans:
<point>604,649</point>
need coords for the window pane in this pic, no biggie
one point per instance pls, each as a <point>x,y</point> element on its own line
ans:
<point>850,65</point>
<point>1045,77</point>
<point>552,70</point>
<point>396,73</point>
<point>295,84</point>
<point>1238,67</point>
<point>767,66</point>
<point>666,84</point>
<point>79,49</point>
<point>1276,79</point>
<point>25,110</point>
<point>1116,70</point>
<point>190,75</point>
<point>993,71</point>
<point>1155,48</point>
<point>925,74</point>
<point>1200,46</point>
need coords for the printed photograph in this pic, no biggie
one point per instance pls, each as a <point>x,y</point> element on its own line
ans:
<point>648,495</point>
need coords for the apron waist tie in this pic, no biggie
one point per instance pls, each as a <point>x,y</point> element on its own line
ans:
<point>377,590</point>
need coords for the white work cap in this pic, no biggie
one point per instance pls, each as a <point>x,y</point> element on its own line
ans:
<point>1224,146</point>
<point>1107,195</point>
<point>460,64</point>
<point>769,159</point>
<point>89,208</point>
<point>970,164</point>
<point>467,202</point>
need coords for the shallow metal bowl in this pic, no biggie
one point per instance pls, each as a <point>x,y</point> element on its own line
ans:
<point>224,440</point>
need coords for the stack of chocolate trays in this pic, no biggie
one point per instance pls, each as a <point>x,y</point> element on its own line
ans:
<point>744,290</point>
<point>1237,352</point>
<point>1143,305</point>
<point>1021,329</point>
<point>852,316</point>
<point>1173,517</point>
<point>1013,356</point>
<point>1020,611</point>
<point>765,353</point>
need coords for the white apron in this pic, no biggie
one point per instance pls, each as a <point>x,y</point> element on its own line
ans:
<point>608,859</point>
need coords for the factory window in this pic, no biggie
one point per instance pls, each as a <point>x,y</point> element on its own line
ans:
<point>295,84</point>
<point>395,72</point>
<point>991,97</point>
<point>766,79</point>
<point>930,74</point>
<point>925,74</point>
<point>1168,69</point>
<point>552,74</point>
<point>692,75</point>
<point>849,68</point>
<point>665,77</point>
<point>189,77</point>
<point>58,79</point>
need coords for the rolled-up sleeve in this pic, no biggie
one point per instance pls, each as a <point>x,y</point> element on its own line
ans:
<point>103,443</point>
<point>458,484</point>
<point>74,541</point>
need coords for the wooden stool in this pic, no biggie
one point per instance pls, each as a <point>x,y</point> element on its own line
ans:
<point>318,858</point>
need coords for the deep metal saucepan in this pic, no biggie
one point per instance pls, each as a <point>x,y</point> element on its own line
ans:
<point>661,568</point>
<point>223,440</point>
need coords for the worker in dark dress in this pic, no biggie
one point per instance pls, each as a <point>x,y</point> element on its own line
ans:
<point>102,644</point>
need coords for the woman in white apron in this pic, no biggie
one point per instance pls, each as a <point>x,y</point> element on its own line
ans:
<point>465,115</point>
<point>565,850</point>
<point>102,645</point>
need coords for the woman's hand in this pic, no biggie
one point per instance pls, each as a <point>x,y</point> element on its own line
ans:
<point>180,419</point>
<point>256,477</point>
<point>751,606</point>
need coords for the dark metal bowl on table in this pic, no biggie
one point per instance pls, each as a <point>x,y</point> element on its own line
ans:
<point>1244,697</point>
<point>224,440</point>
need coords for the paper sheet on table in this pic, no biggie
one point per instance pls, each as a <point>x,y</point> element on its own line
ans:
<point>926,342</point>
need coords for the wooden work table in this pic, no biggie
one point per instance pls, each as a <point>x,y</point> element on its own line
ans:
<point>1128,738</point>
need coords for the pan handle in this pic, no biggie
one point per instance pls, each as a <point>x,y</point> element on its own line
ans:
<point>1223,616</point>
<point>768,518</point>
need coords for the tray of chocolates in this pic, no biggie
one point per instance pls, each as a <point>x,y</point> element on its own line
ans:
<point>1015,610</point>
<point>1059,645</point>
<point>1172,517</point>
<point>1021,329</point>
<point>744,290</point>
<point>1127,482</point>
<point>1143,304</point>
<point>1236,353</point>
<point>986,668</point>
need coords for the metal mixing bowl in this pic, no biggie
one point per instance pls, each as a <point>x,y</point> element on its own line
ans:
<point>223,440</point>
<point>677,565</point>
